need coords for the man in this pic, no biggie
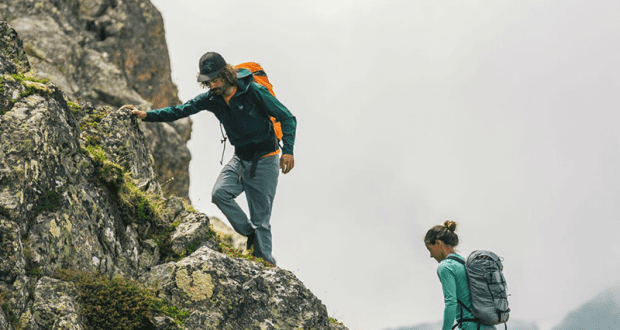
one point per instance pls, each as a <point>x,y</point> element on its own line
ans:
<point>243,107</point>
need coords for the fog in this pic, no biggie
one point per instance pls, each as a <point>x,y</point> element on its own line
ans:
<point>501,116</point>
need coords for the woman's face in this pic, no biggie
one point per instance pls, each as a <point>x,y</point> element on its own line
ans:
<point>436,251</point>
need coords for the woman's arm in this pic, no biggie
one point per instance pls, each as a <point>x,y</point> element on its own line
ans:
<point>448,284</point>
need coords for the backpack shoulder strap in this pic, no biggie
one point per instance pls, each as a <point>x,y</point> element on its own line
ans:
<point>456,259</point>
<point>459,260</point>
<point>462,263</point>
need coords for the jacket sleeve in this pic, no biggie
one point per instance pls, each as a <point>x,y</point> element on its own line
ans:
<point>448,284</point>
<point>167,114</point>
<point>276,109</point>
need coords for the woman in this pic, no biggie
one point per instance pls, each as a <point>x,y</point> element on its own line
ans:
<point>441,242</point>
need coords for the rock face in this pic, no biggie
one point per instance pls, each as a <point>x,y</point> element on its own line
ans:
<point>108,52</point>
<point>79,193</point>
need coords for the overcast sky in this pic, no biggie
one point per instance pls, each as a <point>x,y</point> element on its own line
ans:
<point>500,115</point>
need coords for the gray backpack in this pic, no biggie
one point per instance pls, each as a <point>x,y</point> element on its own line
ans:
<point>487,287</point>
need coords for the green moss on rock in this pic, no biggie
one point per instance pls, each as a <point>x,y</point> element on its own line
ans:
<point>49,202</point>
<point>119,303</point>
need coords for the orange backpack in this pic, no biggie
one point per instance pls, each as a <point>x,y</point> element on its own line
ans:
<point>260,77</point>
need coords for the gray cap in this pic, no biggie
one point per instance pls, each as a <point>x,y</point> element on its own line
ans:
<point>210,65</point>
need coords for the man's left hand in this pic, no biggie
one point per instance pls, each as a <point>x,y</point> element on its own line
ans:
<point>287,162</point>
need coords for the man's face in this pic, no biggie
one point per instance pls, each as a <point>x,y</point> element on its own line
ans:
<point>217,86</point>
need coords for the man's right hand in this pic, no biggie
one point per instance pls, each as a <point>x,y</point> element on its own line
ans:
<point>287,162</point>
<point>134,111</point>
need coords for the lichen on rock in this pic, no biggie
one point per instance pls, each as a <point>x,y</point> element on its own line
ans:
<point>198,286</point>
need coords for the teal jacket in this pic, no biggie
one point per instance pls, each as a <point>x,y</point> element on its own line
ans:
<point>246,119</point>
<point>454,284</point>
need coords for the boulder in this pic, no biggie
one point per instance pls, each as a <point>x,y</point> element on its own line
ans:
<point>224,293</point>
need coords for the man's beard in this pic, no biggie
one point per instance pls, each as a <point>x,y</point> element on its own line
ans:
<point>220,90</point>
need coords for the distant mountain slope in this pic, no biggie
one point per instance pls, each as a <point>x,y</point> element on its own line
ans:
<point>512,325</point>
<point>602,312</point>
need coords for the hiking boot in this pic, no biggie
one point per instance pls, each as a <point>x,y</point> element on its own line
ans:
<point>250,242</point>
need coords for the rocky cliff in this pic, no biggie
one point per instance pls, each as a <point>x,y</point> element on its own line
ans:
<point>89,240</point>
<point>108,52</point>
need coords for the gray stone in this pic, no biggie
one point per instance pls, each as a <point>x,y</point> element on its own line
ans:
<point>12,55</point>
<point>12,261</point>
<point>164,323</point>
<point>4,325</point>
<point>193,230</point>
<point>55,306</point>
<point>150,255</point>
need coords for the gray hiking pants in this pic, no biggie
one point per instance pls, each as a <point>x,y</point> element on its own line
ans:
<point>259,192</point>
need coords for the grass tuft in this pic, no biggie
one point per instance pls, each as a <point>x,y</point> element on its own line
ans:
<point>119,303</point>
<point>227,248</point>
<point>49,202</point>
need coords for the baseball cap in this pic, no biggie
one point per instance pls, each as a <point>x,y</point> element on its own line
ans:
<point>210,65</point>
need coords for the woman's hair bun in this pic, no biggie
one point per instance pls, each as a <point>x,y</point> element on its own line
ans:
<point>443,233</point>
<point>451,225</point>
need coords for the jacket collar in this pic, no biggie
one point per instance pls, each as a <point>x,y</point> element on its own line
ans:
<point>244,78</point>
